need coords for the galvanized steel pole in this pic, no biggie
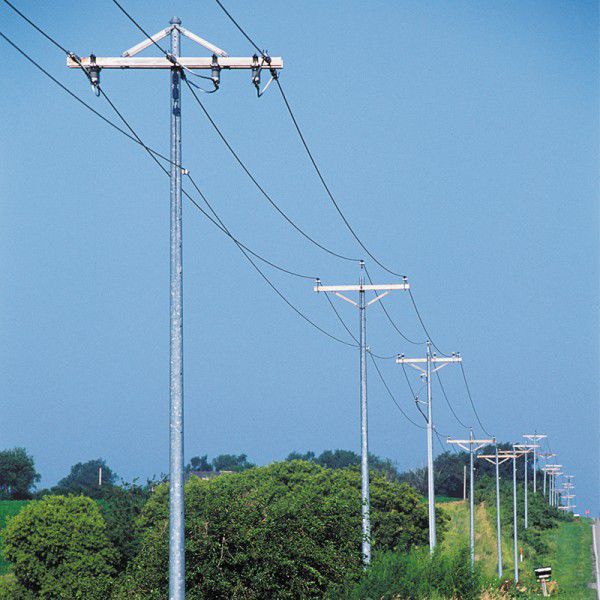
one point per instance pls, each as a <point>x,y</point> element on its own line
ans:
<point>535,469</point>
<point>525,458</point>
<point>364,458</point>
<point>471,502</point>
<point>498,528</point>
<point>516,555</point>
<point>176,501</point>
<point>430,480</point>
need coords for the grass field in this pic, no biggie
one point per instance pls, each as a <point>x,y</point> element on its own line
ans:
<point>8,508</point>
<point>569,551</point>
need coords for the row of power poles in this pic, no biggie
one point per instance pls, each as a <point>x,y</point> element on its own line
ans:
<point>518,450</point>
<point>177,66</point>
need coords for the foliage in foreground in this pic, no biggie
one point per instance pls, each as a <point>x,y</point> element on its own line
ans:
<point>288,530</point>
<point>59,549</point>
<point>416,575</point>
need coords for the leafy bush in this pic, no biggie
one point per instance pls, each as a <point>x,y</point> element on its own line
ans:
<point>121,507</point>
<point>60,550</point>
<point>288,530</point>
<point>415,575</point>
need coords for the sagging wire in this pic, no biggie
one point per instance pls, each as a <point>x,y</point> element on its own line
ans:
<point>389,391</point>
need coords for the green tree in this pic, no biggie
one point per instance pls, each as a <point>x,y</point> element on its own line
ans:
<point>288,530</point>
<point>60,550</point>
<point>231,462</point>
<point>83,479</point>
<point>199,463</point>
<point>342,459</point>
<point>17,474</point>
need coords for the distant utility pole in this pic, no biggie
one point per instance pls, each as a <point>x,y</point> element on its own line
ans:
<point>526,448</point>
<point>99,476</point>
<point>534,438</point>
<point>546,456</point>
<point>553,470</point>
<point>176,65</point>
<point>362,306</point>
<point>471,446</point>
<point>426,373</point>
<point>494,459</point>
<point>464,482</point>
<point>514,454</point>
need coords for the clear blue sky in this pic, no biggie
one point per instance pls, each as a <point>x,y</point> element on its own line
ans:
<point>461,139</point>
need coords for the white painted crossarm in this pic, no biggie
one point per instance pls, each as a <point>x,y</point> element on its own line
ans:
<point>202,62</point>
<point>361,288</point>
<point>434,359</point>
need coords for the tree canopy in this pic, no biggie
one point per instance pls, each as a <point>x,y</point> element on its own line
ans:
<point>288,530</point>
<point>83,479</point>
<point>17,474</point>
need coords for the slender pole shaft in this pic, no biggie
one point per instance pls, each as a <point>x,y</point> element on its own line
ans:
<point>498,528</point>
<point>515,519</point>
<point>464,482</point>
<point>525,485</point>
<point>364,459</point>
<point>535,467</point>
<point>471,504</point>
<point>430,480</point>
<point>544,483</point>
<point>176,501</point>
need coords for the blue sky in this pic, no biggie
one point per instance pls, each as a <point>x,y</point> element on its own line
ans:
<point>461,140</point>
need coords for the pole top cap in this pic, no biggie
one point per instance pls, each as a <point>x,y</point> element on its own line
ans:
<point>175,21</point>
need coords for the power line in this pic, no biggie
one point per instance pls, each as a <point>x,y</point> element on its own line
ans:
<point>151,151</point>
<point>230,148</point>
<point>389,317</point>
<point>412,299</point>
<point>448,401</point>
<point>245,251</point>
<point>389,391</point>
<point>471,400</point>
<point>309,152</point>
<point>326,187</point>
<point>76,97</point>
<point>259,186</point>
<point>345,326</point>
<point>240,29</point>
<point>47,36</point>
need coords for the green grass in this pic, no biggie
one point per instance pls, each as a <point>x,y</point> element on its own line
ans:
<point>570,556</point>
<point>569,551</point>
<point>8,508</point>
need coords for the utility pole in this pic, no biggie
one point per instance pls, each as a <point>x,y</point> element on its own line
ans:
<point>471,446</point>
<point>514,454</point>
<point>553,470</point>
<point>534,438</point>
<point>526,448</point>
<point>362,306</point>
<point>494,459</point>
<point>546,456</point>
<point>176,64</point>
<point>426,373</point>
<point>464,482</point>
<point>99,476</point>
